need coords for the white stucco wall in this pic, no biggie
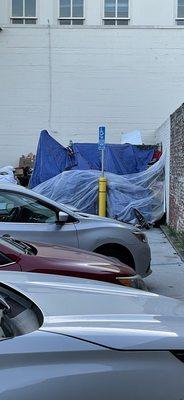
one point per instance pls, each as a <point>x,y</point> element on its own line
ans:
<point>122,78</point>
<point>93,12</point>
<point>151,12</point>
<point>126,78</point>
<point>163,134</point>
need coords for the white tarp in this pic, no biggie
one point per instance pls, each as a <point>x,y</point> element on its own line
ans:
<point>131,138</point>
<point>7,175</point>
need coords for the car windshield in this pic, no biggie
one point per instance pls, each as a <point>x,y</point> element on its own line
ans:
<point>18,245</point>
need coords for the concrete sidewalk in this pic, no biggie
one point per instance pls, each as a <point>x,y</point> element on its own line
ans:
<point>167,277</point>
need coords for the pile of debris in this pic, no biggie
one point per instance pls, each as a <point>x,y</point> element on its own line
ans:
<point>24,170</point>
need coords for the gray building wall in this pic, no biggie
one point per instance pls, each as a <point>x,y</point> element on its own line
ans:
<point>176,217</point>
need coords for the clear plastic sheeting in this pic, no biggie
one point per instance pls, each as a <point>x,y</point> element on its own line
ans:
<point>73,188</point>
<point>144,191</point>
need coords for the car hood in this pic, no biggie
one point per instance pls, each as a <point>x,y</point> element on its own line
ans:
<point>102,313</point>
<point>76,258</point>
<point>93,217</point>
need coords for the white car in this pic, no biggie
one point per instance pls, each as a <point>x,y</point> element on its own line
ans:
<point>75,339</point>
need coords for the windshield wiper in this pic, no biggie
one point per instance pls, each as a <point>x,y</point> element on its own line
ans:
<point>27,248</point>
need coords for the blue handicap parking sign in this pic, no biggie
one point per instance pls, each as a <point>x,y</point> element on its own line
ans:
<point>101,141</point>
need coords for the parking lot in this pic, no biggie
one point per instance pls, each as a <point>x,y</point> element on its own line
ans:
<point>168,269</point>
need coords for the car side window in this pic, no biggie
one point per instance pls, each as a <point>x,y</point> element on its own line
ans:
<point>15,207</point>
<point>4,260</point>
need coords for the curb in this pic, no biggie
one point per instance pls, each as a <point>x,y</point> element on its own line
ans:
<point>162,227</point>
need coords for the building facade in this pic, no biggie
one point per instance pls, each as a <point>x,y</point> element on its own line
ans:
<point>69,66</point>
<point>176,213</point>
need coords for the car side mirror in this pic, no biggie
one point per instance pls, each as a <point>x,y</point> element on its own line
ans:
<point>62,217</point>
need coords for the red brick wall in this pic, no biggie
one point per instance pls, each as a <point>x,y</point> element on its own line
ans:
<point>176,214</point>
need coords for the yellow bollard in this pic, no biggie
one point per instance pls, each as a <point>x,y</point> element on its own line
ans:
<point>102,196</point>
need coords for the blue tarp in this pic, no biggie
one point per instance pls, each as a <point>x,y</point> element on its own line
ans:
<point>52,158</point>
<point>119,159</point>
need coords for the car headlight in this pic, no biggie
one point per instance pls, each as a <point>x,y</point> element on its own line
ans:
<point>135,282</point>
<point>141,236</point>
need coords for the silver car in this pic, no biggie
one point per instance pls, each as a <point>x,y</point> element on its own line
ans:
<point>30,216</point>
<point>75,339</point>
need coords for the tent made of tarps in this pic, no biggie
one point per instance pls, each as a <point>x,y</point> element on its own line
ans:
<point>52,158</point>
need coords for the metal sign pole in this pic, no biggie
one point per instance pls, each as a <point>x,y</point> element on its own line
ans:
<point>103,150</point>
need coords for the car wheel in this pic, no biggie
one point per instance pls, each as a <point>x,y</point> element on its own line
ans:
<point>117,252</point>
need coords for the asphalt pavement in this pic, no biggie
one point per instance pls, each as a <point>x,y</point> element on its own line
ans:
<point>167,277</point>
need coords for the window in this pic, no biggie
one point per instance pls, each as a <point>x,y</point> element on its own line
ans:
<point>71,12</point>
<point>18,208</point>
<point>4,260</point>
<point>180,13</point>
<point>23,12</point>
<point>116,12</point>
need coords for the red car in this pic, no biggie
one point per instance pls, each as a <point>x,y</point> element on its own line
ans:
<point>16,255</point>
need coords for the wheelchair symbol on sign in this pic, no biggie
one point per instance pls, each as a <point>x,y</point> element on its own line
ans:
<point>102,134</point>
